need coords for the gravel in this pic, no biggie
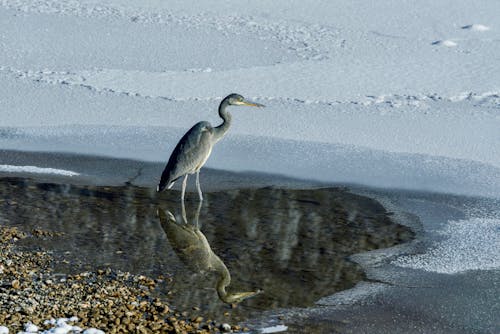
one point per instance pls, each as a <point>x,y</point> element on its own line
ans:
<point>34,299</point>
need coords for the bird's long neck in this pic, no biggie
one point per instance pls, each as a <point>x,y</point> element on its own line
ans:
<point>224,277</point>
<point>221,130</point>
<point>223,282</point>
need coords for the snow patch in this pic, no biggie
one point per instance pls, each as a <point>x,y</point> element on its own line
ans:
<point>447,42</point>
<point>361,291</point>
<point>93,331</point>
<point>317,68</point>
<point>274,329</point>
<point>59,326</point>
<point>476,27</point>
<point>470,244</point>
<point>36,170</point>
<point>30,328</point>
<point>4,330</point>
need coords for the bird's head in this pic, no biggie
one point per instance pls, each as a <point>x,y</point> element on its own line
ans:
<point>238,100</point>
<point>237,297</point>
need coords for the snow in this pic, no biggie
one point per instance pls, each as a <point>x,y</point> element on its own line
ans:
<point>274,329</point>
<point>35,170</point>
<point>470,244</point>
<point>30,328</point>
<point>59,326</point>
<point>449,43</point>
<point>79,76</point>
<point>476,27</point>
<point>93,331</point>
<point>4,330</point>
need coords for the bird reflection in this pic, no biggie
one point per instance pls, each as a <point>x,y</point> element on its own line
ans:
<point>193,249</point>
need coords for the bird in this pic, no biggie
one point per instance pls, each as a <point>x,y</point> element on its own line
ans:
<point>194,148</point>
<point>193,249</point>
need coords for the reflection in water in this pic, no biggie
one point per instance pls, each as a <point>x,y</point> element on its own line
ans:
<point>193,249</point>
<point>294,243</point>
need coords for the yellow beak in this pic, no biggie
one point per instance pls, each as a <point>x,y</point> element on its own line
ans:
<point>252,104</point>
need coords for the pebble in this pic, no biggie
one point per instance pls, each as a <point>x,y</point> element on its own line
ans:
<point>15,284</point>
<point>225,327</point>
<point>30,328</point>
<point>101,301</point>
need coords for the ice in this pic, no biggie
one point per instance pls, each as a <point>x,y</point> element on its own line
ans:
<point>447,42</point>
<point>470,244</point>
<point>61,326</point>
<point>476,27</point>
<point>274,329</point>
<point>93,331</point>
<point>360,292</point>
<point>338,80</point>
<point>35,170</point>
<point>30,328</point>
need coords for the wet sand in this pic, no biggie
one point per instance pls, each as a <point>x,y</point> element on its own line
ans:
<point>290,245</point>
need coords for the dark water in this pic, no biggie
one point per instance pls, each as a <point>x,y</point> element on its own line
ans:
<point>292,245</point>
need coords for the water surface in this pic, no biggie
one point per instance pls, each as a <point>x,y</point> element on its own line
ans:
<point>290,245</point>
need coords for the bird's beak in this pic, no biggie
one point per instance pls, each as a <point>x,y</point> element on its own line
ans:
<point>252,104</point>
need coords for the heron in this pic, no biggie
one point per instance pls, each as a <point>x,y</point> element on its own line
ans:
<point>194,148</point>
<point>194,250</point>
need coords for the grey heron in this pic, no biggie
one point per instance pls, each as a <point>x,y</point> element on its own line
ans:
<point>195,147</point>
<point>193,249</point>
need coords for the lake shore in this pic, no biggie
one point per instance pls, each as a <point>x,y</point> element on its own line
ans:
<point>265,228</point>
<point>320,219</point>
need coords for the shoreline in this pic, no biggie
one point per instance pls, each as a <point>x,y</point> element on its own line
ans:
<point>397,299</point>
<point>338,311</point>
<point>107,171</point>
<point>172,197</point>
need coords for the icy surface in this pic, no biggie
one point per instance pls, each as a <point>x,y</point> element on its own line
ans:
<point>30,328</point>
<point>470,244</point>
<point>476,27</point>
<point>274,329</point>
<point>93,331</point>
<point>36,170</point>
<point>396,84</point>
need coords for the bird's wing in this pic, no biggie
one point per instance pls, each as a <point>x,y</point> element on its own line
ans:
<point>190,153</point>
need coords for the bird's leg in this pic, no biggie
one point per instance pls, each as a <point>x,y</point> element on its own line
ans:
<point>198,185</point>
<point>183,191</point>
<point>197,215</point>
<point>183,212</point>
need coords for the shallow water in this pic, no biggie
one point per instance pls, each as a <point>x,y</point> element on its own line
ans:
<point>290,245</point>
<point>415,299</point>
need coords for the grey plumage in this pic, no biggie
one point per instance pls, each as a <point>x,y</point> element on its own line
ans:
<point>194,148</point>
<point>193,249</point>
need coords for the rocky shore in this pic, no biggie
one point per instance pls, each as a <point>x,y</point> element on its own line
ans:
<point>32,294</point>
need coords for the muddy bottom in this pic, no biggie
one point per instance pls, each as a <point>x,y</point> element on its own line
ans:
<point>258,249</point>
